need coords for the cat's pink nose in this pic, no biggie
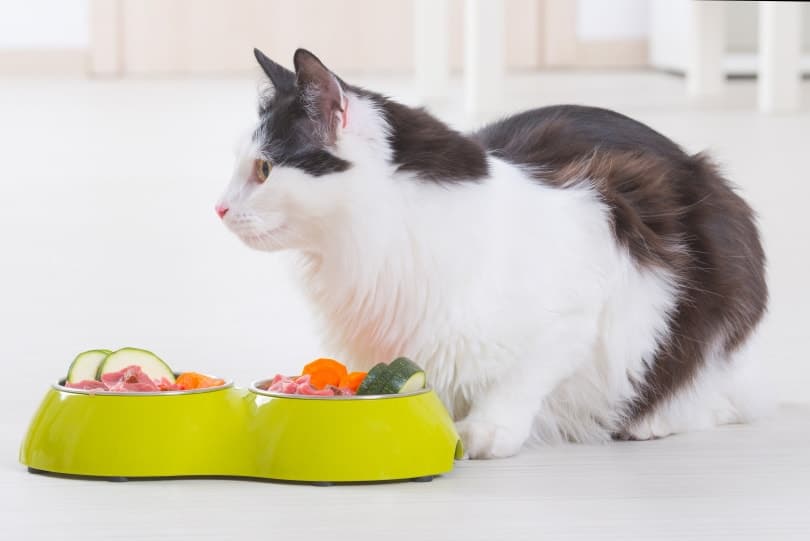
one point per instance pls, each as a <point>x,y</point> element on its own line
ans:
<point>222,210</point>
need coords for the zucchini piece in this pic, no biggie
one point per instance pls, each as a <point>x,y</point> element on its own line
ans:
<point>401,376</point>
<point>152,365</point>
<point>404,376</point>
<point>373,379</point>
<point>85,365</point>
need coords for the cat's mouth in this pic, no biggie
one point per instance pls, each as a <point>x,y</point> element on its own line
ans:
<point>267,240</point>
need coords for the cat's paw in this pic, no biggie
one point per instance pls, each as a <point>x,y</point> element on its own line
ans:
<point>485,439</point>
<point>649,429</point>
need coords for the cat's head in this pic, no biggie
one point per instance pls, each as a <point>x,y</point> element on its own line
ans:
<point>289,181</point>
<point>327,158</point>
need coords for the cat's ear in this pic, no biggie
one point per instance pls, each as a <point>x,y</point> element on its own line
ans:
<point>282,79</point>
<point>321,92</point>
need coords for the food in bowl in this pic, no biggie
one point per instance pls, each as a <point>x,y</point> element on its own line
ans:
<point>328,377</point>
<point>131,370</point>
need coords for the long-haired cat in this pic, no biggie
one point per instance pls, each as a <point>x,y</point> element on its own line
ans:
<point>564,274</point>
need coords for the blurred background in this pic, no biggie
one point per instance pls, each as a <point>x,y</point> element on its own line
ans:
<point>118,120</point>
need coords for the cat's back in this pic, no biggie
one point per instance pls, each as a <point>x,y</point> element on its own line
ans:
<point>555,136</point>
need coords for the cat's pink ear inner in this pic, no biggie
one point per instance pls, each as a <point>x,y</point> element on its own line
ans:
<point>322,92</point>
<point>344,114</point>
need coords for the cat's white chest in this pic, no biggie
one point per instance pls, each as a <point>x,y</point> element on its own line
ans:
<point>474,284</point>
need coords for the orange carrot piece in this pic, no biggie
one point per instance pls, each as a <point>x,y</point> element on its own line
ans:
<point>326,364</point>
<point>352,380</point>
<point>195,380</point>
<point>187,380</point>
<point>322,378</point>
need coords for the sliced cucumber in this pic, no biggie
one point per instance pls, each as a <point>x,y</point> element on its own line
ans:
<point>372,379</point>
<point>152,365</point>
<point>401,376</point>
<point>85,365</point>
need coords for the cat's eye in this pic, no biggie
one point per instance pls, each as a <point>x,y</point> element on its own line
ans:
<point>262,169</point>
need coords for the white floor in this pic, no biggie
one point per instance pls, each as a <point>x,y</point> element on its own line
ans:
<point>108,238</point>
<point>735,483</point>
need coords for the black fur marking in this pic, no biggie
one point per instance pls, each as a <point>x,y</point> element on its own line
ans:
<point>428,148</point>
<point>569,133</point>
<point>283,79</point>
<point>317,163</point>
<point>289,137</point>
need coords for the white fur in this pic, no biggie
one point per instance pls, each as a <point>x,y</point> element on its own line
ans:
<point>532,323</point>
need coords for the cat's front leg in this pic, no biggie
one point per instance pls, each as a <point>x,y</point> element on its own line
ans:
<point>502,414</point>
<point>491,438</point>
<point>500,420</point>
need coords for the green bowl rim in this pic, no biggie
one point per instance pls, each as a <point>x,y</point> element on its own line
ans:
<point>59,386</point>
<point>254,388</point>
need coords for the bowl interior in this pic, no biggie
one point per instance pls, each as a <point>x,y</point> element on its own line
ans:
<point>257,388</point>
<point>60,386</point>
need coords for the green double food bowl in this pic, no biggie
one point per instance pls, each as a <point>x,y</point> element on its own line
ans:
<point>232,432</point>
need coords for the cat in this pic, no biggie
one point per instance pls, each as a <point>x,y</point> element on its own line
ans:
<point>566,274</point>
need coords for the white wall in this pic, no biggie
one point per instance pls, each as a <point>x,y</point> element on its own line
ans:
<point>741,28</point>
<point>44,24</point>
<point>669,27</point>
<point>64,24</point>
<point>616,19</point>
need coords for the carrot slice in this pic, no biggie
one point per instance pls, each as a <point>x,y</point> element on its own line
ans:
<point>195,380</point>
<point>352,380</point>
<point>322,378</point>
<point>326,364</point>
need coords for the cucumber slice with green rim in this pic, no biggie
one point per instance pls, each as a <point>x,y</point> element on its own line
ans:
<point>85,365</point>
<point>406,376</point>
<point>371,381</point>
<point>152,365</point>
<point>401,376</point>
